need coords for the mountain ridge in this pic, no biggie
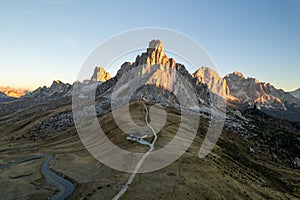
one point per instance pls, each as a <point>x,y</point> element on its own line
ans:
<point>13,92</point>
<point>296,93</point>
<point>250,90</point>
<point>164,73</point>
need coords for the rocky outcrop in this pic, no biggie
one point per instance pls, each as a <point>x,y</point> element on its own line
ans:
<point>56,90</point>
<point>52,125</point>
<point>214,82</point>
<point>100,75</point>
<point>250,90</point>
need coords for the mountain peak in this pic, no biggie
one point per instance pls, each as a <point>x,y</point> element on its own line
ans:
<point>57,82</point>
<point>156,45</point>
<point>160,76</point>
<point>211,78</point>
<point>251,90</point>
<point>240,74</point>
<point>155,55</point>
<point>100,74</point>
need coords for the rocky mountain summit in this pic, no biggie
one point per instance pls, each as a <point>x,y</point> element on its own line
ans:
<point>56,90</point>
<point>159,78</point>
<point>214,82</point>
<point>251,91</point>
<point>100,75</point>
<point>248,92</point>
<point>163,72</point>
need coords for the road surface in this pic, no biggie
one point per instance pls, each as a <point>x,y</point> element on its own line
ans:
<point>137,167</point>
<point>64,186</point>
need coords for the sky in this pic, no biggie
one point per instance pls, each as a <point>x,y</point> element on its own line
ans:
<point>45,40</point>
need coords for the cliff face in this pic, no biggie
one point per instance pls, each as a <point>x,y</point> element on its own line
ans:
<point>250,90</point>
<point>214,82</point>
<point>100,75</point>
<point>161,77</point>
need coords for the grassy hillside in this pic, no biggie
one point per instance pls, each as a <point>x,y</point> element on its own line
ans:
<point>228,172</point>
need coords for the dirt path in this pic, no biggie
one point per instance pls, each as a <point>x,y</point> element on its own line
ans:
<point>137,167</point>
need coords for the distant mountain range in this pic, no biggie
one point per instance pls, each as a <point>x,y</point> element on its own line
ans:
<point>239,91</point>
<point>13,92</point>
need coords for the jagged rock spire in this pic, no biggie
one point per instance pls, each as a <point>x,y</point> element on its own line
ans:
<point>100,75</point>
<point>156,45</point>
<point>155,55</point>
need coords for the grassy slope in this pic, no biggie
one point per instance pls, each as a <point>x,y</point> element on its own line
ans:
<point>229,172</point>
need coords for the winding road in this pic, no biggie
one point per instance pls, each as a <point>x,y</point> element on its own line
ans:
<point>64,186</point>
<point>137,167</point>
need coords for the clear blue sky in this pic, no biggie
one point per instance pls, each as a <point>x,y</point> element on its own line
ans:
<point>45,40</point>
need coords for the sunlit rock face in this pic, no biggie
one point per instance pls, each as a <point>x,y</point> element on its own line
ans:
<point>160,77</point>
<point>165,67</point>
<point>214,82</point>
<point>166,73</point>
<point>100,75</point>
<point>251,90</point>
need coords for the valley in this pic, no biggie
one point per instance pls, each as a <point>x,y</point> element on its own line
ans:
<point>256,156</point>
<point>229,171</point>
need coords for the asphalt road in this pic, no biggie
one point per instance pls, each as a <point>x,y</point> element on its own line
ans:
<point>65,187</point>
